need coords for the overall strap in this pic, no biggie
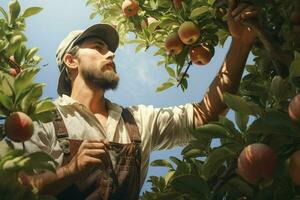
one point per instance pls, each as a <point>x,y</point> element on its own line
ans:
<point>61,132</point>
<point>131,126</point>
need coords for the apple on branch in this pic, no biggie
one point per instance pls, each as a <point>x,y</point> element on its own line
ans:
<point>200,55</point>
<point>177,4</point>
<point>294,167</point>
<point>188,32</point>
<point>18,127</point>
<point>130,8</point>
<point>294,108</point>
<point>256,163</point>
<point>173,44</point>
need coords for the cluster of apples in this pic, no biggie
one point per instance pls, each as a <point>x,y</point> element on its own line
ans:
<point>257,162</point>
<point>188,34</point>
<point>18,127</point>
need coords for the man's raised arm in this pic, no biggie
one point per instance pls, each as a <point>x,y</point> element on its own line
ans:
<point>229,76</point>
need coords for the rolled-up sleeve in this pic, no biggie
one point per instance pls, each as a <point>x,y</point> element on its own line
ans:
<point>164,128</point>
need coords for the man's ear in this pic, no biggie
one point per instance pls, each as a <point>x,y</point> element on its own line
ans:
<point>70,61</point>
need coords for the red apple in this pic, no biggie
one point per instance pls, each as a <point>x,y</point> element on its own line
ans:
<point>177,4</point>
<point>295,17</point>
<point>13,72</point>
<point>130,8</point>
<point>200,55</point>
<point>188,32</point>
<point>173,44</point>
<point>18,127</point>
<point>294,167</point>
<point>294,108</point>
<point>257,162</point>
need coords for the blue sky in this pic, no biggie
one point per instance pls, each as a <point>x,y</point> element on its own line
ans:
<point>139,72</point>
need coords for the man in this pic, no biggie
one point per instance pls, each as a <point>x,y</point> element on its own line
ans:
<point>103,149</point>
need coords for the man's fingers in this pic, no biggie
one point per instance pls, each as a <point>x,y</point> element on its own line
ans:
<point>241,7</point>
<point>246,15</point>
<point>232,4</point>
<point>99,154</point>
<point>94,144</point>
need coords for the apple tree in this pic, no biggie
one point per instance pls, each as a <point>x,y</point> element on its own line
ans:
<point>258,156</point>
<point>20,105</point>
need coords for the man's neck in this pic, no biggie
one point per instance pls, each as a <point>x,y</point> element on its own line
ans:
<point>92,98</point>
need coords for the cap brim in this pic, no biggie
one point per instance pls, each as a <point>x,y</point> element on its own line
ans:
<point>104,31</point>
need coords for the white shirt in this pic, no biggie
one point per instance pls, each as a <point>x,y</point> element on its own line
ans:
<point>160,128</point>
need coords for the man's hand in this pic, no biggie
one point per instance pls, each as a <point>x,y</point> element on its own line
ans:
<point>237,14</point>
<point>91,153</point>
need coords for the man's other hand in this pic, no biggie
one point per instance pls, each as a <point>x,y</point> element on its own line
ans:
<point>237,14</point>
<point>91,154</point>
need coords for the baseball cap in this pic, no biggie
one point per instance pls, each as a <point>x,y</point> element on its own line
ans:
<point>104,31</point>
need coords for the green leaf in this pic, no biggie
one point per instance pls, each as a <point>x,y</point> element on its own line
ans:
<point>93,14</point>
<point>31,96</point>
<point>181,58</point>
<point>199,11</point>
<point>193,151</point>
<point>211,2</point>
<point>279,87</point>
<point>31,11</point>
<point>10,155</point>
<point>295,70</point>
<point>175,160</point>
<point>42,157</point>
<point>31,53</point>
<point>139,47</point>
<point>44,106</point>
<point>44,117</point>
<point>222,36</point>
<point>161,163</point>
<point>6,84</point>
<point>170,71</point>
<point>272,123</point>
<point>211,131</point>
<point>191,184</point>
<point>215,160</point>
<point>24,80</point>
<point>6,101</point>
<point>14,11</point>
<point>241,121</point>
<point>164,86</point>
<point>168,176</point>
<point>4,148</point>
<point>4,13</point>
<point>238,104</point>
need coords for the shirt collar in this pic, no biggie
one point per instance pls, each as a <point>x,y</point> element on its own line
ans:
<point>67,100</point>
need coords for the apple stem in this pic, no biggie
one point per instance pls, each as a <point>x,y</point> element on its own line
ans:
<point>11,63</point>
<point>184,74</point>
<point>226,176</point>
<point>23,145</point>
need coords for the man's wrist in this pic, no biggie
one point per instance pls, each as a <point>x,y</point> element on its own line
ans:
<point>237,42</point>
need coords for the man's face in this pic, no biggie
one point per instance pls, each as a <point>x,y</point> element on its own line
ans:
<point>96,64</point>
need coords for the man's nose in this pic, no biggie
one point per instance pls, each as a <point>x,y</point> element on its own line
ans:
<point>110,55</point>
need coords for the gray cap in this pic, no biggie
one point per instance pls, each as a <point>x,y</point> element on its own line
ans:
<point>104,31</point>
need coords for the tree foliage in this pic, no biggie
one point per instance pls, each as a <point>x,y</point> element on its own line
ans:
<point>19,93</point>
<point>261,105</point>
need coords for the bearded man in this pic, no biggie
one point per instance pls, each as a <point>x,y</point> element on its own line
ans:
<point>102,148</point>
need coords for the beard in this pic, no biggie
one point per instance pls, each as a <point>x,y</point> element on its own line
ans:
<point>106,80</point>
